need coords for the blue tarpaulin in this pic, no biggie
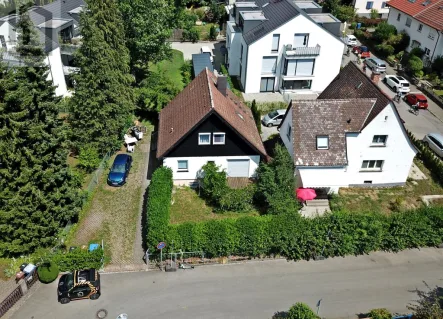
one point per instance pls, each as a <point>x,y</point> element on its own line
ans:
<point>93,247</point>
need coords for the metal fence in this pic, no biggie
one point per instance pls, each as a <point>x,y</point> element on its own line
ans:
<point>16,295</point>
<point>92,185</point>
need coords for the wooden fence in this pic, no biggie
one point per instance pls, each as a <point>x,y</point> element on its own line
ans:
<point>16,295</point>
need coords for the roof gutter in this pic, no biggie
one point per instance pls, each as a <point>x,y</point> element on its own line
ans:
<point>436,42</point>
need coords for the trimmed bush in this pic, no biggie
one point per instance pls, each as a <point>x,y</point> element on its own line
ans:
<point>381,313</point>
<point>88,158</point>
<point>78,259</point>
<point>256,113</point>
<point>266,107</point>
<point>47,272</point>
<point>384,50</point>
<point>301,311</point>
<point>159,203</point>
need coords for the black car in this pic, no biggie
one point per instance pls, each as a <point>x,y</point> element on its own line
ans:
<point>120,170</point>
<point>81,284</point>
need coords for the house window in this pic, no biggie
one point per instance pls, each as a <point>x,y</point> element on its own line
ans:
<point>420,27</point>
<point>218,138</point>
<point>297,85</point>
<point>204,138</point>
<point>375,166</point>
<point>427,52</point>
<point>383,5</point>
<point>398,17</point>
<point>369,4</point>
<point>2,39</point>
<point>408,22</point>
<point>288,133</point>
<point>275,42</point>
<point>269,64</point>
<point>431,34</point>
<point>322,142</point>
<point>267,84</point>
<point>415,44</point>
<point>299,67</point>
<point>367,182</point>
<point>301,40</point>
<point>379,140</point>
<point>182,165</point>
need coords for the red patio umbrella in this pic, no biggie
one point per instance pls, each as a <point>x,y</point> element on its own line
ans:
<point>306,193</point>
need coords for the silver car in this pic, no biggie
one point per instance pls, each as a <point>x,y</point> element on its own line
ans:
<point>376,64</point>
<point>273,118</point>
<point>435,142</point>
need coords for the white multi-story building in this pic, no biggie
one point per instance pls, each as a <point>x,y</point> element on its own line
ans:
<point>351,135</point>
<point>283,45</point>
<point>57,26</point>
<point>365,7</point>
<point>423,21</point>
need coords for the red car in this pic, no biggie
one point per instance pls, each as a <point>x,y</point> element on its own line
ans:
<point>364,51</point>
<point>413,98</point>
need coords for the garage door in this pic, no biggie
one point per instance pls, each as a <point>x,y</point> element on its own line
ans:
<point>238,168</point>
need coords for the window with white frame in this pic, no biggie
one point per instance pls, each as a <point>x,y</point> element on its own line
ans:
<point>369,4</point>
<point>288,132</point>
<point>269,64</point>
<point>182,165</point>
<point>408,22</point>
<point>415,44</point>
<point>322,142</point>
<point>372,165</point>
<point>379,140</point>
<point>275,42</point>
<point>204,138</point>
<point>218,138</point>
<point>427,52</point>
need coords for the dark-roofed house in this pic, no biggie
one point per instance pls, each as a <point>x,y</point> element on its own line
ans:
<point>283,45</point>
<point>206,122</point>
<point>58,20</point>
<point>351,135</point>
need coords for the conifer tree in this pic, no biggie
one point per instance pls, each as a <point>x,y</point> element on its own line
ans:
<point>38,193</point>
<point>103,100</point>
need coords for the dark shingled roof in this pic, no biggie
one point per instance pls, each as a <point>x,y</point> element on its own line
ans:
<point>200,62</point>
<point>277,13</point>
<point>352,83</point>
<point>333,118</point>
<point>196,102</point>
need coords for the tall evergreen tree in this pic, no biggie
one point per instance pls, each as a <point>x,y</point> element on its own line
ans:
<point>103,100</point>
<point>38,193</point>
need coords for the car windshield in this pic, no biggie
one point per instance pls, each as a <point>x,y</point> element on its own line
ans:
<point>69,281</point>
<point>382,65</point>
<point>364,49</point>
<point>118,168</point>
<point>273,114</point>
<point>401,78</point>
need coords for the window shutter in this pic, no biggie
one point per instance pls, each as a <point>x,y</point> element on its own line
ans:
<point>275,42</point>
<point>299,40</point>
<point>305,67</point>
<point>291,67</point>
<point>269,64</point>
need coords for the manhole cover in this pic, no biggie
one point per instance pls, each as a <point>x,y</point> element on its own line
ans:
<point>102,313</point>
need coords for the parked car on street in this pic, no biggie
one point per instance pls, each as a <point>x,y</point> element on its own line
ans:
<point>397,83</point>
<point>376,64</point>
<point>361,49</point>
<point>80,284</point>
<point>414,98</point>
<point>273,118</point>
<point>435,142</point>
<point>206,49</point>
<point>351,40</point>
<point>119,170</point>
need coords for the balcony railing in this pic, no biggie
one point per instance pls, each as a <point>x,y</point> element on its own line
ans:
<point>291,52</point>
<point>69,49</point>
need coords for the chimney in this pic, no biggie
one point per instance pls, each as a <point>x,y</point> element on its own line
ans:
<point>375,77</point>
<point>222,84</point>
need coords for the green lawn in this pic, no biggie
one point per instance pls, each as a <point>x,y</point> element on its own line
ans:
<point>438,92</point>
<point>171,68</point>
<point>188,206</point>
<point>204,30</point>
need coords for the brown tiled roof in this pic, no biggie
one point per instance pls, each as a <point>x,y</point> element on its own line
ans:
<point>352,83</point>
<point>333,118</point>
<point>429,14</point>
<point>197,101</point>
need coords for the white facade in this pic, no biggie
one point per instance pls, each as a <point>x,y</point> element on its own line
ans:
<point>364,7</point>
<point>249,66</point>
<point>184,177</point>
<point>427,38</point>
<point>397,156</point>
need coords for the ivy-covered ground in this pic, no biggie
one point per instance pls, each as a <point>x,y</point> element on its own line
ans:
<point>188,206</point>
<point>388,200</point>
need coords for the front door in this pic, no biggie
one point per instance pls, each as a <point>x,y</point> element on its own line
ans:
<point>267,84</point>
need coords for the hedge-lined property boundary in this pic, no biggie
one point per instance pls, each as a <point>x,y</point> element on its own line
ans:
<point>290,235</point>
<point>78,259</point>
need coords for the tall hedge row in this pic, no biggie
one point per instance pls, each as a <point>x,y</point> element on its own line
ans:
<point>295,237</point>
<point>159,203</point>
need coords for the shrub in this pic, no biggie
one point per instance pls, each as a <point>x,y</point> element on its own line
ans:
<point>237,200</point>
<point>224,71</point>
<point>437,65</point>
<point>359,34</point>
<point>78,259</point>
<point>384,49</point>
<point>186,72</point>
<point>374,14</point>
<point>47,272</point>
<point>257,115</point>
<point>88,158</point>
<point>200,12</point>
<point>353,25</point>
<point>301,311</point>
<point>415,64</point>
<point>403,42</point>
<point>381,313</point>
<point>266,107</point>
<point>418,52</point>
<point>191,34</point>
<point>212,33</point>
<point>159,202</point>
<point>384,31</point>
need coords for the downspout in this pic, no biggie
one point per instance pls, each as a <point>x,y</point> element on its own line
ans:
<point>432,58</point>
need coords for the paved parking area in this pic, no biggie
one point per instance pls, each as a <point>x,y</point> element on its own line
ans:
<point>189,48</point>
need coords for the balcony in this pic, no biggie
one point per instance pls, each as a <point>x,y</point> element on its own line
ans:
<point>70,46</point>
<point>290,52</point>
<point>68,70</point>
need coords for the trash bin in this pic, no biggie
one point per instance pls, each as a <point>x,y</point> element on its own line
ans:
<point>358,25</point>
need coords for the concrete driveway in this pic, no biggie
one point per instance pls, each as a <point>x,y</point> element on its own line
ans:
<point>189,48</point>
<point>347,286</point>
<point>428,121</point>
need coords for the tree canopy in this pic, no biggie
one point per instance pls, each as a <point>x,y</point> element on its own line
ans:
<point>103,101</point>
<point>38,193</point>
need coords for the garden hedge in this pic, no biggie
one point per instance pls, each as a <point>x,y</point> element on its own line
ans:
<point>47,272</point>
<point>159,203</point>
<point>78,259</point>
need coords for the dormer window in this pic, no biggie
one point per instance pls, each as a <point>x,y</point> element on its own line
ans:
<point>322,142</point>
<point>219,138</point>
<point>204,138</point>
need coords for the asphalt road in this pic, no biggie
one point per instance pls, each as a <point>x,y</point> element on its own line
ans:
<point>347,286</point>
